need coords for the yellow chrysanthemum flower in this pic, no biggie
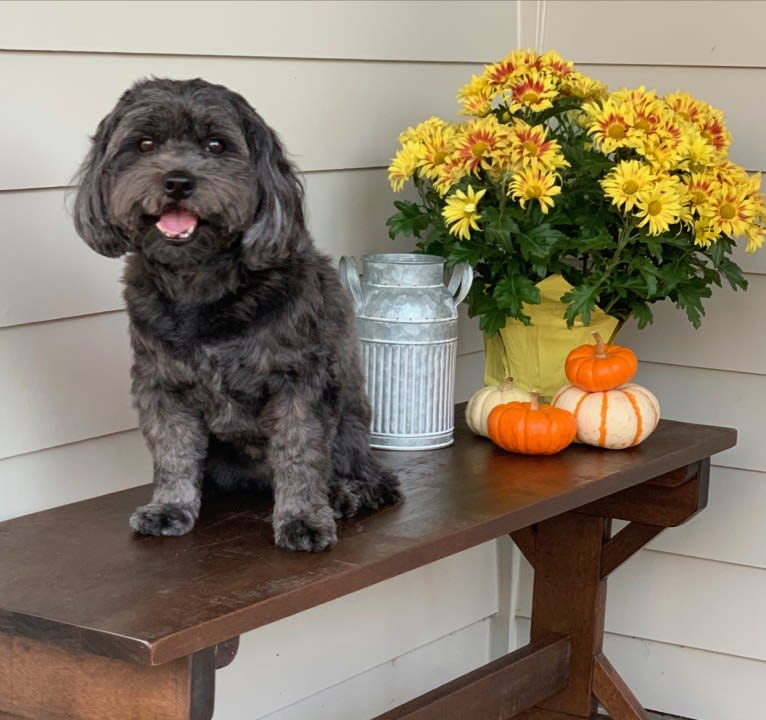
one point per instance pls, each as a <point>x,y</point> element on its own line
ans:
<point>659,206</point>
<point>450,173</point>
<point>696,151</point>
<point>688,107</point>
<point>404,164</point>
<point>714,130</point>
<point>608,123</point>
<point>436,149</point>
<point>477,142</point>
<point>529,147</point>
<point>534,184</point>
<point>731,211</point>
<point>623,184</point>
<point>461,212</point>
<point>555,64</point>
<point>476,96</point>
<point>662,152</point>
<point>422,131</point>
<point>700,188</point>
<point>583,87</point>
<point>533,91</point>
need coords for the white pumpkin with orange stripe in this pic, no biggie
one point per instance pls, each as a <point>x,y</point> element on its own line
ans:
<point>615,419</point>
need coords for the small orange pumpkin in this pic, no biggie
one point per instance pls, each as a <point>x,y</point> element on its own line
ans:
<point>600,367</point>
<point>531,428</point>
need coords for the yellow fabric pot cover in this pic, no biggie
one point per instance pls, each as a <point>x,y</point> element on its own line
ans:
<point>534,355</point>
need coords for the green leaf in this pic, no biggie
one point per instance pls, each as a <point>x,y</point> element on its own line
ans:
<point>643,315</point>
<point>492,321</point>
<point>580,301</point>
<point>689,297</point>
<point>512,292</point>
<point>411,220</point>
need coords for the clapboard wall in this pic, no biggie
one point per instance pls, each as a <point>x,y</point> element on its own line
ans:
<point>686,617</point>
<point>339,81</point>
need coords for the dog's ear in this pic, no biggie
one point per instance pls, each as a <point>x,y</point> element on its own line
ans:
<point>278,228</point>
<point>91,219</point>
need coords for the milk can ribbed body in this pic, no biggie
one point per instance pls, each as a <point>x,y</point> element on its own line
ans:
<point>406,320</point>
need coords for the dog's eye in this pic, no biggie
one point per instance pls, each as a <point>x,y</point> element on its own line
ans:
<point>215,146</point>
<point>145,145</point>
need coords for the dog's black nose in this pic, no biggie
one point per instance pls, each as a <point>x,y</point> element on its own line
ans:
<point>178,185</point>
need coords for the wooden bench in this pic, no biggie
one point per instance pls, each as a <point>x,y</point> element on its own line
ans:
<point>97,623</point>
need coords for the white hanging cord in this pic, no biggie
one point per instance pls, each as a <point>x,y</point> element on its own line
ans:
<point>540,25</point>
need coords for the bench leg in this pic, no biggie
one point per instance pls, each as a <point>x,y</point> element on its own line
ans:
<point>573,554</point>
<point>40,681</point>
<point>570,599</point>
<point>570,554</point>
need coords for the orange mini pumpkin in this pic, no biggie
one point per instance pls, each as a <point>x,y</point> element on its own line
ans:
<point>600,367</point>
<point>531,428</point>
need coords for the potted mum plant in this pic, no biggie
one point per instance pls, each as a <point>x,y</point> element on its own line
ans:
<point>576,207</point>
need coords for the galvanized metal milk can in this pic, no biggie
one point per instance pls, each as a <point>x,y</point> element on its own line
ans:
<point>406,320</point>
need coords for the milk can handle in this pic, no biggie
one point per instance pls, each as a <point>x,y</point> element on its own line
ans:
<point>349,278</point>
<point>462,277</point>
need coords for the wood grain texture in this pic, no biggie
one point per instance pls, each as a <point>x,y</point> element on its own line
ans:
<point>153,600</point>
<point>665,503</point>
<point>39,680</point>
<point>502,688</point>
<point>614,694</point>
<point>570,599</point>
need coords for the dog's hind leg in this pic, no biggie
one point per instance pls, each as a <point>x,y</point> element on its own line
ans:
<point>359,480</point>
<point>177,440</point>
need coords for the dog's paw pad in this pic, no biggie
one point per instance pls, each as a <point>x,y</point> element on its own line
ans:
<point>300,534</point>
<point>163,519</point>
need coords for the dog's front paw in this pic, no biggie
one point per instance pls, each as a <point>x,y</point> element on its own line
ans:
<point>311,532</point>
<point>163,519</point>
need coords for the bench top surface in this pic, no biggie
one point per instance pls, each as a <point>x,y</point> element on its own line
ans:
<point>78,576</point>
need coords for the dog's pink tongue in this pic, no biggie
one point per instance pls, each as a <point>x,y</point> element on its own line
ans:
<point>176,222</point>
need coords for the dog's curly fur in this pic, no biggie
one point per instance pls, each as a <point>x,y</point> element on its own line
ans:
<point>246,369</point>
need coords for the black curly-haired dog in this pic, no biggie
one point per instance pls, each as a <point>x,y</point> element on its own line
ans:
<point>246,366</point>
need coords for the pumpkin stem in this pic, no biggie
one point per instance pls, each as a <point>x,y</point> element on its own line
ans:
<point>534,402</point>
<point>507,383</point>
<point>600,347</point>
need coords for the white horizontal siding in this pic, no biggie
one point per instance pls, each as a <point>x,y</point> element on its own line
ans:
<point>64,381</point>
<point>714,397</point>
<point>728,530</point>
<point>359,632</point>
<point>684,681</point>
<point>719,344</point>
<point>674,32</point>
<point>73,472</point>
<point>372,692</point>
<point>298,29</point>
<point>47,271</point>
<point>684,601</point>
<point>331,115</point>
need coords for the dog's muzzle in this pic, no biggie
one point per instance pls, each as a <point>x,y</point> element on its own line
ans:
<point>176,223</point>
